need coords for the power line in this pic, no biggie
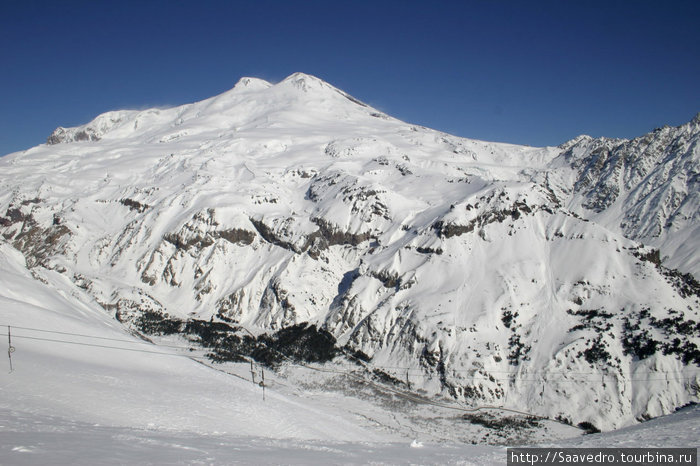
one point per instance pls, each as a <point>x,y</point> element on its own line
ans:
<point>366,366</point>
<point>72,334</point>
<point>82,335</point>
<point>358,378</point>
<point>96,345</point>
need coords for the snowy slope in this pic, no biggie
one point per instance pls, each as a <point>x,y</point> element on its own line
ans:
<point>71,404</point>
<point>87,370</point>
<point>646,188</point>
<point>43,440</point>
<point>481,273</point>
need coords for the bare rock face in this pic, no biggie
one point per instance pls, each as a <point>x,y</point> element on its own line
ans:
<point>61,135</point>
<point>483,272</point>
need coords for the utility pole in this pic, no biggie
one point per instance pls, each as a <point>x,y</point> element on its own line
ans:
<point>10,348</point>
<point>262,382</point>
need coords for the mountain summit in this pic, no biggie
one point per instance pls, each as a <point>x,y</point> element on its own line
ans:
<point>293,102</point>
<point>559,281</point>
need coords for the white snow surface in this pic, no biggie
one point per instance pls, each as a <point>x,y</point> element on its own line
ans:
<point>89,405</point>
<point>33,439</point>
<point>471,272</point>
<point>104,376</point>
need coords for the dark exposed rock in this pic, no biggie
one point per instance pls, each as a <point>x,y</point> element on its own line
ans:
<point>180,243</point>
<point>15,215</point>
<point>234,236</point>
<point>38,244</point>
<point>334,236</point>
<point>518,208</point>
<point>269,235</point>
<point>60,135</point>
<point>327,235</point>
<point>448,230</point>
<point>276,295</point>
<point>388,279</point>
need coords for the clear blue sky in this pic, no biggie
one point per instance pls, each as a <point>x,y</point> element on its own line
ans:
<point>529,72</point>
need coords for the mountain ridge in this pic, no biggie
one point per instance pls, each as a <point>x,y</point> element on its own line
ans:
<point>487,273</point>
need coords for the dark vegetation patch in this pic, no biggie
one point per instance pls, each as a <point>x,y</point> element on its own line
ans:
<point>508,317</point>
<point>596,319</point>
<point>301,343</point>
<point>684,283</point>
<point>357,354</point>
<point>676,336</point>
<point>653,256</point>
<point>502,423</point>
<point>387,378</point>
<point>590,314</point>
<point>404,170</point>
<point>596,352</point>
<point>154,323</point>
<point>437,251</point>
<point>589,427</point>
<point>134,205</point>
<point>518,350</point>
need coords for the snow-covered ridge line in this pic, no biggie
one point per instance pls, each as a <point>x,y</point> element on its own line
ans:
<point>485,273</point>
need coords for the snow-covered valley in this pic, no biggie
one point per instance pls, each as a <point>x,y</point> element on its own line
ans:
<point>389,280</point>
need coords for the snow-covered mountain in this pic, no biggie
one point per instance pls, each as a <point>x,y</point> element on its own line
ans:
<point>560,281</point>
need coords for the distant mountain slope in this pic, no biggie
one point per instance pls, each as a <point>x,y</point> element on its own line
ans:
<point>488,273</point>
<point>647,188</point>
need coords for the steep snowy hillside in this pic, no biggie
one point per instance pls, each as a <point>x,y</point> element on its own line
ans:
<point>79,365</point>
<point>647,188</point>
<point>86,393</point>
<point>293,222</point>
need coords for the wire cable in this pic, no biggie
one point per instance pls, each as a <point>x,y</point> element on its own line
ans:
<point>352,375</point>
<point>142,341</point>
<point>96,345</point>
